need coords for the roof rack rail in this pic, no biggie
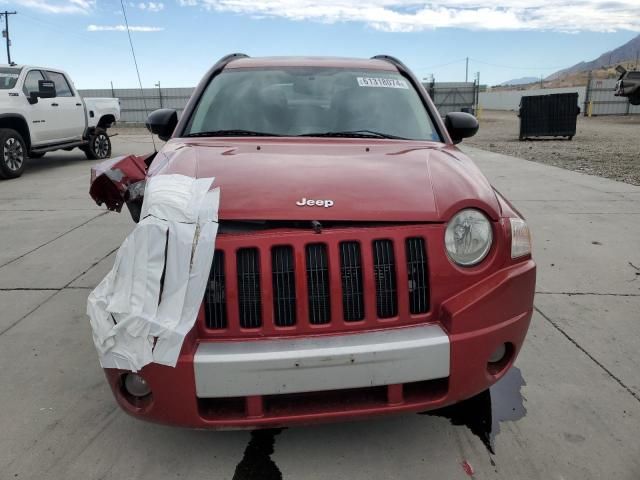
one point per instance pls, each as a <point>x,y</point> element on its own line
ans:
<point>229,58</point>
<point>394,61</point>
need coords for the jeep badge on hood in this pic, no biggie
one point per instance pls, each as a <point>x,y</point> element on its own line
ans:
<point>314,203</point>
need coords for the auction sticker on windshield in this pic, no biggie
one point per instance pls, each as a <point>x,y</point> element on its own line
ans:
<point>382,82</point>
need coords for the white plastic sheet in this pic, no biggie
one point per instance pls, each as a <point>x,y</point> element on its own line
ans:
<point>137,315</point>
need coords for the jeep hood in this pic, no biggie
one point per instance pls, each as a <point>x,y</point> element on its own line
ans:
<point>379,180</point>
<point>369,181</point>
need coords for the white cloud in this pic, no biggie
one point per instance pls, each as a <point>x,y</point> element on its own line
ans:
<point>415,15</point>
<point>122,28</point>
<point>59,6</point>
<point>151,6</point>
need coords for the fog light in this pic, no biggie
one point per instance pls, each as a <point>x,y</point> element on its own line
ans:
<point>135,385</point>
<point>498,353</point>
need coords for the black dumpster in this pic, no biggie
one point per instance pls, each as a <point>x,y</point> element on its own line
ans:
<point>553,115</point>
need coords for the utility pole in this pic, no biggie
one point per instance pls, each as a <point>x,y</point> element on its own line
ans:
<point>5,32</point>
<point>159,92</point>
<point>466,71</point>
<point>477,94</point>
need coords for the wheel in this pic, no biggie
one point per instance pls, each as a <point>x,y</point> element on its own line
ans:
<point>635,98</point>
<point>36,154</point>
<point>99,146</point>
<point>13,153</point>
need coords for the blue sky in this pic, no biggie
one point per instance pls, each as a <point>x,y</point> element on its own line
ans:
<point>176,41</point>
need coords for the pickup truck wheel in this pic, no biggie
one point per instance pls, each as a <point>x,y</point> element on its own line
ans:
<point>13,153</point>
<point>635,98</point>
<point>99,146</point>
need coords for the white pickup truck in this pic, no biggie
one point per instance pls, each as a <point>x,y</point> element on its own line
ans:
<point>41,111</point>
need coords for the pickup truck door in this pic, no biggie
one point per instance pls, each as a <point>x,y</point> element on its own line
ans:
<point>68,108</point>
<point>41,118</point>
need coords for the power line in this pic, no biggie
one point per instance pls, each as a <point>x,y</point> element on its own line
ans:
<point>427,67</point>
<point>5,33</point>
<point>133,54</point>
<point>66,31</point>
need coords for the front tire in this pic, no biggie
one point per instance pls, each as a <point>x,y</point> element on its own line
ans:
<point>13,153</point>
<point>635,98</point>
<point>99,146</point>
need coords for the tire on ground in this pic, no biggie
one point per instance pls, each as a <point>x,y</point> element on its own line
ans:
<point>99,146</point>
<point>13,153</point>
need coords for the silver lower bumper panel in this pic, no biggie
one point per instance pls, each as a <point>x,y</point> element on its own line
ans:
<point>268,367</point>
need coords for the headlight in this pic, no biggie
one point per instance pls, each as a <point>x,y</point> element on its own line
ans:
<point>468,237</point>
<point>520,238</point>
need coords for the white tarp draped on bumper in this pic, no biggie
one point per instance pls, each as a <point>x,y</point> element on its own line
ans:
<point>146,305</point>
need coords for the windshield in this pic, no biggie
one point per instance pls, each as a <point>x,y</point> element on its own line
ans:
<point>313,102</point>
<point>8,77</point>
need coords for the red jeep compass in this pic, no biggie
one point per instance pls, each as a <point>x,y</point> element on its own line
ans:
<point>363,265</point>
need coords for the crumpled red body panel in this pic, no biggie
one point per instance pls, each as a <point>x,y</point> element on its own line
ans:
<point>111,179</point>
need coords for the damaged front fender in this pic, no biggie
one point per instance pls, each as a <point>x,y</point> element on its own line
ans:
<point>120,180</point>
<point>146,305</point>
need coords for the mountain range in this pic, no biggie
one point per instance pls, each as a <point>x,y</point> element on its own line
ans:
<point>519,81</point>
<point>624,53</point>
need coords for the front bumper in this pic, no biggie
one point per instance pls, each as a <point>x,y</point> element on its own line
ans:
<point>265,383</point>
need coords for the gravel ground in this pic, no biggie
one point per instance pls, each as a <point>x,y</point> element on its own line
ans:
<point>604,146</point>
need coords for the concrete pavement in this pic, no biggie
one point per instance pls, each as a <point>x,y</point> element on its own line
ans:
<point>575,414</point>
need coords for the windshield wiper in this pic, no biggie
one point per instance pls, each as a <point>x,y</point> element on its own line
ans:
<point>232,133</point>
<point>354,134</point>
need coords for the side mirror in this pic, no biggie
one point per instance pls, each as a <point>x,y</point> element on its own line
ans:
<point>46,89</point>
<point>162,122</point>
<point>461,125</point>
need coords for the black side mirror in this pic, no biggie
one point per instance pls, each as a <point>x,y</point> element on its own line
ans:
<point>46,89</point>
<point>162,122</point>
<point>461,125</point>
